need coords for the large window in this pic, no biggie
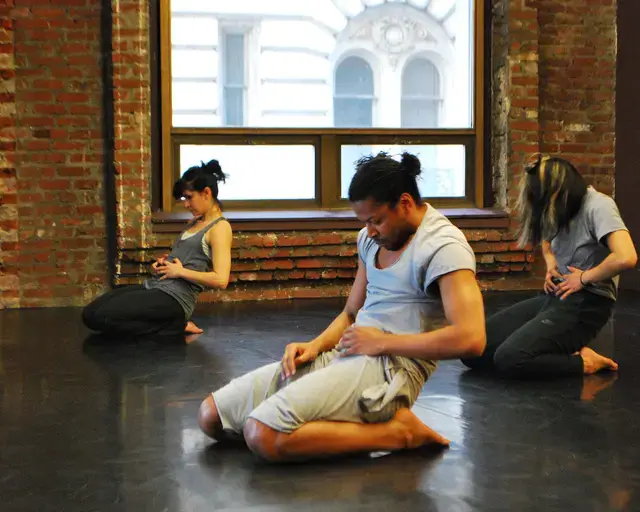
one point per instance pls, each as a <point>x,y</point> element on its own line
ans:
<point>288,94</point>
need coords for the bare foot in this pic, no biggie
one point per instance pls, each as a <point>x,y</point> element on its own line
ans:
<point>594,362</point>
<point>593,384</point>
<point>192,328</point>
<point>417,433</point>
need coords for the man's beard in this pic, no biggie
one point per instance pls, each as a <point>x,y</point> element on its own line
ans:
<point>397,242</point>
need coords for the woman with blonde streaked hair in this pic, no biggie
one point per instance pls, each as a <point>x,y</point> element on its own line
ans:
<point>585,245</point>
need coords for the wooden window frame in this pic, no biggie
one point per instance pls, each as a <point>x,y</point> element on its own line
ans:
<point>327,141</point>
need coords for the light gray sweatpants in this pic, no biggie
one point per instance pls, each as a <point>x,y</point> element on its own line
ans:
<point>359,389</point>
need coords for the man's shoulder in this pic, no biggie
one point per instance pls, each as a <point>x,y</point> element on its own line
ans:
<point>437,231</point>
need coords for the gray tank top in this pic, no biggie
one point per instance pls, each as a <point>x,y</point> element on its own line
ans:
<point>188,249</point>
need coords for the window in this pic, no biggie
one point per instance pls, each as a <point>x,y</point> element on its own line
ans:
<point>353,97</point>
<point>420,95</point>
<point>287,95</point>
<point>233,76</point>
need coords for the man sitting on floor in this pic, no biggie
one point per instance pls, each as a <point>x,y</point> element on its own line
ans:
<point>414,300</point>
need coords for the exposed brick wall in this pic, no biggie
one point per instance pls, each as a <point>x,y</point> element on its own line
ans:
<point>577,92</point>
<point>523,128</point>
<point>9,282</point>
<point>553,90</point>
<point>132,97</point>
<point>53,131</point>
<point>316,264</point>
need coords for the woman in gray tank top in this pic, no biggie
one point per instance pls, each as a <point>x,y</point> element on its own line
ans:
<point>586,246</point>
<point>199,259</point>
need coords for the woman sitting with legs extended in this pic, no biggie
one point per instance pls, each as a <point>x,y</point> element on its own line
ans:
<point>200,258</point>
<point>586,246</point>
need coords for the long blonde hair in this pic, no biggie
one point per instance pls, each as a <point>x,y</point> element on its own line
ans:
<point>551,194</point>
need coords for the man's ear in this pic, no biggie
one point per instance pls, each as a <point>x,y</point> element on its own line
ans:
<point>406,202</point>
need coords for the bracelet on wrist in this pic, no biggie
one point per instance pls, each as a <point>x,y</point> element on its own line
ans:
<point>581,281</point>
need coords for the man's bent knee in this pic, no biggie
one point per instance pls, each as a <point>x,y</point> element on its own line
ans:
<point>209,420</point>
<point>263,440</point>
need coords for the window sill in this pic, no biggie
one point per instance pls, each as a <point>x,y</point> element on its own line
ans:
<point>309,220</point>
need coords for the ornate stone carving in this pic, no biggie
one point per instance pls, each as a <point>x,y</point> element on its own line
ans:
<point>394,36</point>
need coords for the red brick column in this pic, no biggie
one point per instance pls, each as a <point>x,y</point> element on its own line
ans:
<point>9,282</point>
<point>132,105</point>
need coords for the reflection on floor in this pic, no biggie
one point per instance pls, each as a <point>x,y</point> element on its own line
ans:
<point>111,428</point>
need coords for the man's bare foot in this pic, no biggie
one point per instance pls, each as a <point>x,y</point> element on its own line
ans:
<point>417,433</point>
<point>594,362</point>
<point>192,328</point>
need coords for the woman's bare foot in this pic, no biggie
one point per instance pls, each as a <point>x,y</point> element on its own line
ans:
<point>192,328</point>
<point>417,433</point>
<point>594,362</point>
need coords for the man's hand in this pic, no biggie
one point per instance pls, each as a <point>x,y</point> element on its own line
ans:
<point>366,341</point>
<point>571,283</point>
<point>171,269</point>
<point>549,285</point>
<point>296,354</point>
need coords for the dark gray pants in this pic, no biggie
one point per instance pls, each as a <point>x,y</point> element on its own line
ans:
<point>538,337</point>
<point>135,311</point>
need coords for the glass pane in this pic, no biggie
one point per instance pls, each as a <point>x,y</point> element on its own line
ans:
<point>420,78</point>
<point>354,77</point>
<point>234,59</point>
<point>353,113</point>
<point>443,166</point>
<point>420,113</point>
<point>233,106</point>
<point>259,172</point>
<point>371,37</point>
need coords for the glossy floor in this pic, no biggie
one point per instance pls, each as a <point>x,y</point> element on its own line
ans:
<point>87,427</point>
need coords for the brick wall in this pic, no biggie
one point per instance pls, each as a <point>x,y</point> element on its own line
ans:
<point>553,90</point>
<point>315,264</point>
<point>577,46</point>
<point>561,86</point>
<point>9,282</point>
<point>52,225</point>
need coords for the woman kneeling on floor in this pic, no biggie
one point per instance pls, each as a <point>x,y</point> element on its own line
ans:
<point>585,245</point>
<point>199,259</point>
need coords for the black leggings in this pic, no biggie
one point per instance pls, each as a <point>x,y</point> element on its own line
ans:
<point>135,311</point>
<point>538,337</point>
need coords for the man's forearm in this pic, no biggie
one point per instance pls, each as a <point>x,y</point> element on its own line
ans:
<point>451,342</point>
<point>332,334</point>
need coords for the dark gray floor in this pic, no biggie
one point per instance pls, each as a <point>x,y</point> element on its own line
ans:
<point>95,428</point>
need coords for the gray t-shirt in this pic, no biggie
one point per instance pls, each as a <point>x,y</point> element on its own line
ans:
<point>404,298</point>
<point>584,244</point>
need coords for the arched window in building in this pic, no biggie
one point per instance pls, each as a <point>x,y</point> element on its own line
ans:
<point>421,94</point>
<point>353,94</point>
